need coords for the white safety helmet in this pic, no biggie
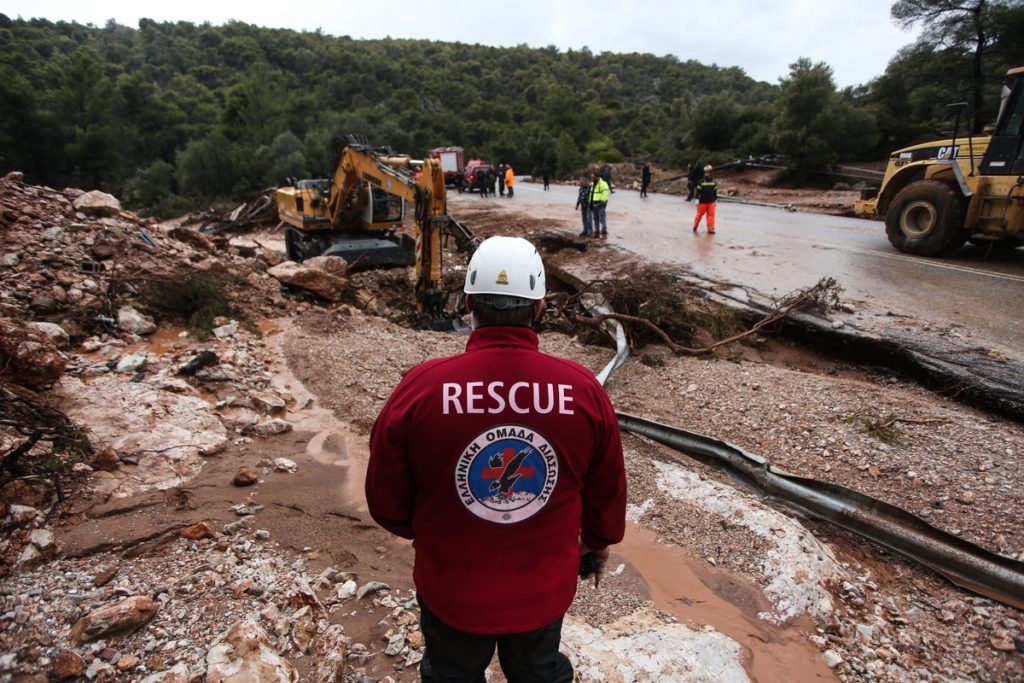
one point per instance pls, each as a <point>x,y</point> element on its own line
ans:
<point>708,169</point>
<point>509,269</point>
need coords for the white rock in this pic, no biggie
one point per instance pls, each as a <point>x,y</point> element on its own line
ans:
<point>55,333</point>
<point>179,674</point>
<point>639,648</point>
<point>130,320</point>
<point>243,655</point>
<point>132,363</point>
<point>832,658</point>
<point>347,590</point>
<point>226,330</point>
<point>98,203</point>
<point>42,539</point>
<point>285,465</point>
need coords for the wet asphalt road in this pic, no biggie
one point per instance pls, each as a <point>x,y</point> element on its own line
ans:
<point>976,294</point>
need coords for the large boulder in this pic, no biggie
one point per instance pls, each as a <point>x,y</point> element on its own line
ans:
<point>122,617</point>
<point>320,282</point>
<point>98,203</point>
<point>27,356</point>
<point>335,265</point>
<point>175,432</point>
<point>133,322</point>
<point>54,332</point>
<point>193,238</point>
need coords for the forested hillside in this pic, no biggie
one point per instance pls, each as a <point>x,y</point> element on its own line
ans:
<point>184,112</point>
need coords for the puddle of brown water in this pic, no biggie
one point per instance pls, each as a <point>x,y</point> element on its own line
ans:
<point>699,596</point>
<point>164,340</point>
<point>333,441</point>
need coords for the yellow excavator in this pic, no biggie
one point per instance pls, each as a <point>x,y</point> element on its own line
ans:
<point>936,195</point>
<point>357,213</point>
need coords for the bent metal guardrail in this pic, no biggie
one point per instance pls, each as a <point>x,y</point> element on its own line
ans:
<point>963,563</point>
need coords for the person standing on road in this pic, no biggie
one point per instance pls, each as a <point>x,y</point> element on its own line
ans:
<point>545,174</point>
<point>490,180</point>
<point>707,200</point>
<point>510,180</point>
<point>501,179</point>
<point>505,467</point>
<point>599,192</point>
<point>645,179</point>
<point>583,205</point>
<point>481,181</point>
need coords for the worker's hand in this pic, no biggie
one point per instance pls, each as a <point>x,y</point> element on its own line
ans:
<point>600,560</point>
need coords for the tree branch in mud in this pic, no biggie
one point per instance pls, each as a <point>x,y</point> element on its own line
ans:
<point>67,441</point>
<point>823,295</point>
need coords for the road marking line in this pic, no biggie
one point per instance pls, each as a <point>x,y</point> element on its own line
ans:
<point>922,261</point>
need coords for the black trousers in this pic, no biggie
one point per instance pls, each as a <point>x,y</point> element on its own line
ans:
<point>454,656</point>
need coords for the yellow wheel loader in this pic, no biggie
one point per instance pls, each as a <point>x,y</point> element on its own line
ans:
<point>937,195</point>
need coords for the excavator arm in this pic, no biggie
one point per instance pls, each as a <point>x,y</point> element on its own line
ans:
<point>421,183</point>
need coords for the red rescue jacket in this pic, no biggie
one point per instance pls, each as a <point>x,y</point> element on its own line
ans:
<point>495,462</point>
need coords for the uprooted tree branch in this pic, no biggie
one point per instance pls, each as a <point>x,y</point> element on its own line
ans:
<point>660,308</point>
<point>44,441</point>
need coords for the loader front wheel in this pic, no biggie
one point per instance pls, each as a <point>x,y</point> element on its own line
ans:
<point>926,219</point>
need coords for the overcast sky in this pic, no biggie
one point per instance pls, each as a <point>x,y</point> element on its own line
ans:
<point>857,38</point>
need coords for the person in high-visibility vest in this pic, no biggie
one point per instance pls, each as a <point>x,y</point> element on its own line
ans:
<point>510,180</point>
<point>599,191</point>
<point>707,200</point>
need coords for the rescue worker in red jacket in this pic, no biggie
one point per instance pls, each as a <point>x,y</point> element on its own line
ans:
<point>707,200</point>
<point>504,466</point>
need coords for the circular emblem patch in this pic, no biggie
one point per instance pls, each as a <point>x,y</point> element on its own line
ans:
<point>506,474</point>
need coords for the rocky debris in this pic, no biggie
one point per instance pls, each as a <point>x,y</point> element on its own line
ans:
<point>77,258</point>
<point>244,654</point>
<point>313,277</point>
<point>28,357</point>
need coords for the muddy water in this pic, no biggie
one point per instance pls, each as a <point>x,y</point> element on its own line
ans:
<point>333,441</point>
<point>696,594</point>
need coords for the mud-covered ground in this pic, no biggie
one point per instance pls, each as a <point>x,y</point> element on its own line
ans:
<point>712,584</point>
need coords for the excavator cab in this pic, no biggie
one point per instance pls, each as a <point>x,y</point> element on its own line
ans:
<point>1005,153</point>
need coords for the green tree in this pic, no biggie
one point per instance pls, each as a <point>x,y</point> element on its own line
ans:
<point>967,26</point>
<point>812,127</point>
<point>206,168</point>
<point>150,186</point>
<point>715,120</point>
<point>286,159</point>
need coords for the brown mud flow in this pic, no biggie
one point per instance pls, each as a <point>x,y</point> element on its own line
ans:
<point>698,595</point>
<point>333,442</point>
<point>694,593</point>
